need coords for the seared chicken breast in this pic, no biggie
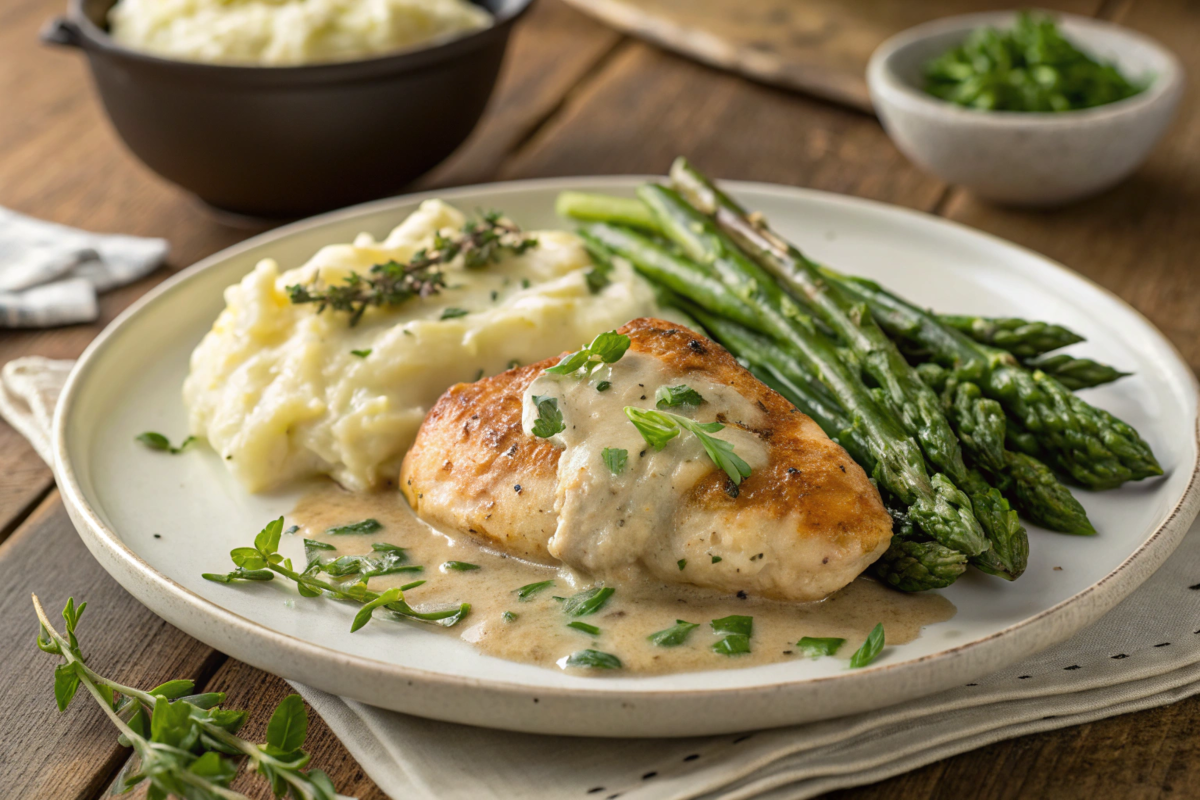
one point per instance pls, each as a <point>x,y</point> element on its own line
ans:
<point>596,496</point>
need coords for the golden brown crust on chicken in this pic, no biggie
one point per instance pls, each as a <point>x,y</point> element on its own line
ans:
<point>811,507</point>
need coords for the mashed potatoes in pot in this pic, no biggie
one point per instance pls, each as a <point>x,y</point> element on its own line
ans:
<point>283,392</point>
<point>286,32</point>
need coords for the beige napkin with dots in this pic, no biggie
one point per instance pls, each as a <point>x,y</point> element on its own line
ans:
<point>1142,654</point>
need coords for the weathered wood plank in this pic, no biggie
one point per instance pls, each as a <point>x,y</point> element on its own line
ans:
<point>258,692</point>
<point>552,49</point>
<point>648,107</point>
<point>820,47</point>
<point>74,754</point>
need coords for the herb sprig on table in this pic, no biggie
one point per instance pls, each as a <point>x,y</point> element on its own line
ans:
<point>186,745</point>
<point>263,561</point>
<point>480,243</point>
<point>1031,67</point>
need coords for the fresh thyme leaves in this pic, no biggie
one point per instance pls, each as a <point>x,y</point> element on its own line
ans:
<point>550,419</point>
<point>817,647</point>
<point>592,659</point>
<point>183,741</point>
<point>615,459</point>
<point>583,626</point>
<point>737,630</point>
<point>682,395</point>
<point>459,566</point>
<point>600,275</point>
<point>451,313</point>
<point>681,563</point>
<point>364,614</point>
<point>589,601</point>
<point>607,348</point>
<point>356,528</point>
<point>675,635</point>
<point>870,649</point>
<point>530,589</point>
<point>264,555</point>
<point>479,243</point>
<point>361,353</point>
<point>659,427</point>
<point>603,386</point>
<point>156,441</point>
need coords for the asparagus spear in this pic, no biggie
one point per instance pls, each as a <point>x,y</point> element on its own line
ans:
<point>1022,338</point>
<point>605,208</point>
<point>1089,444</point>
<point>1075,373</point>
<point>912,566</point>
<point>1030,485</point>
<point>935,503</point>
<point>900,389</point>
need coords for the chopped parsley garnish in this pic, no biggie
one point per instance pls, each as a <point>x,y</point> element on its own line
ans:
<point>870,649</point>
<point>589,601</point>
<point>816,647</point>
<point>451,313</point>
<point>675,635</point>
<point>313,550</point>
<point>672,396</point>
<point>615,459</point>
<point>681,563</point>
<point>737,630</point>
<point>509,616</point>
<point>717,559</point>
<point>583,626</point>
<point>156,441</point>
<point>607,348</point>
<point>658,428</point>
<point>459,566</point>
<point>734,624</point>
<point>593,659</point>
<point>735,644</point>
<point>550,419</point>
<point>603,386</point>
<point>530,589</point>
<point>356,528</point>
<point>360,353</point>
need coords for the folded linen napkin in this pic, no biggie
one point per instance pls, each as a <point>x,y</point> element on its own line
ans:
<point>1142,654</point>
<point>50,274</point>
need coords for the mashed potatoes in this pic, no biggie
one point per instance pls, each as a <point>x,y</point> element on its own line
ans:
<point>286,32</point>
<point>279,392</point>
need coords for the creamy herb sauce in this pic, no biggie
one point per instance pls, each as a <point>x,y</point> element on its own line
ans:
<point>539,634</point>
<point>610,526</point>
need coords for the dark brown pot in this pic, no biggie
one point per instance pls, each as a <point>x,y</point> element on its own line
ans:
<point>292,141</point>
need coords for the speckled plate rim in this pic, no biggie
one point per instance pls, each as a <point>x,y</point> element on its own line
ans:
<point>582,712</point>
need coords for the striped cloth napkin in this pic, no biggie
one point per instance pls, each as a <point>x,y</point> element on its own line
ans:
<point>50,274</point>
<point>1142,654</point>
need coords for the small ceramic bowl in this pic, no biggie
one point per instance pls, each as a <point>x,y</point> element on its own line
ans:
<point>1020,158</point>
<point>282,142</point>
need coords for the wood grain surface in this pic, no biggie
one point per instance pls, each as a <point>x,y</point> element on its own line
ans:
<point>575,98</point>
<point>817,46</point>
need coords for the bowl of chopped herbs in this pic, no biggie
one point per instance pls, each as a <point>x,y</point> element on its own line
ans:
<point>1025,108</point>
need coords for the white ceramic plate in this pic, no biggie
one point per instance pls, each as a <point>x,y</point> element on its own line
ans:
<point>156,523</point>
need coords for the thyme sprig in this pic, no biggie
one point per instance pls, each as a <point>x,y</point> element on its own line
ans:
<point>186,745</point>
<point>479,243</point>
<point>263,561</point>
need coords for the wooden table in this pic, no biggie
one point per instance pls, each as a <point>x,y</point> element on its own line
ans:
<point>576,98</point>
